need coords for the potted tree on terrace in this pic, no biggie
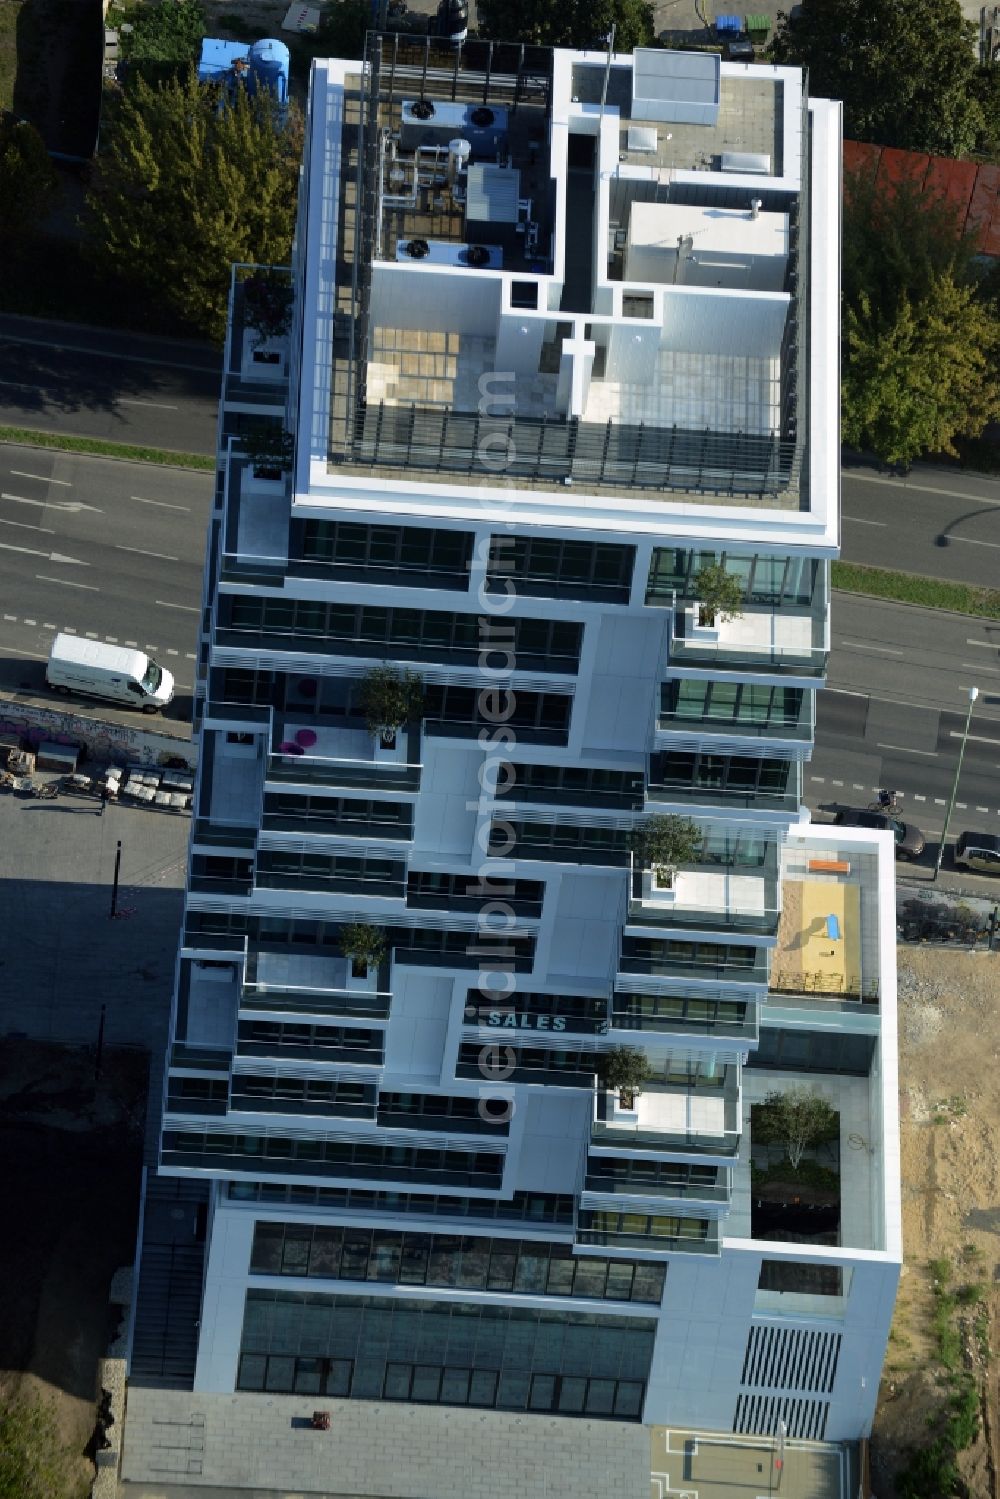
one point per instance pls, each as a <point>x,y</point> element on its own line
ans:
<point>720,596</point>
<point>624,1071</point>
<point>389,699</point>
<point>364,946</point>
<point>267,310</point>
<point>270,450</point>
<point>663,842</point>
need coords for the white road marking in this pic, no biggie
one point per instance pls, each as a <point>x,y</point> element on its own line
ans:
<point>27,621</point>
<point>23,525</point>
<point>171,652</point>
<point>133,643</point>
<point>993,671</point>
<point>90,587</point>
<point>11,618</point>
<point>905,749</point>
<point>46,625</point>
<point>92,635</point>
<point>160,405</point>
<point>111,639</point>
<point>837,783</point>
<point>918,798</point>
<point>159,556</point>
<point>939,801</point>
<point>151,647</point>
<point>6,546</point>
<point>962,807</point>
<point>974,738</point>
<point>859,645</point>
<point>954,494</point>
<point>988,645</point>
<point>190,656</point>
<point>163,504</point>
<point>45,343</point>
<point>13,651</point>
<point>42,478</point>
<point>857,786</point>
<point>860,521</point>
<point>72,507</point>
<point>972,542</point>
<point>982,809</point>
<point>188,608</point>
<point>70,629</point>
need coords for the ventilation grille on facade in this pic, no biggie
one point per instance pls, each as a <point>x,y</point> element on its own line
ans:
<point>788,1358</point>
<point>758,1415</point>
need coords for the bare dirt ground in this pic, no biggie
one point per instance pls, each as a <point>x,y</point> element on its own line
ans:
<point>949,1044</point>
<point>70,1161</point>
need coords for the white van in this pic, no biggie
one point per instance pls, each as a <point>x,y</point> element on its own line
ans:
<point>110,671</point>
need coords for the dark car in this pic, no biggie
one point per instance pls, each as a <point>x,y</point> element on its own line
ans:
<point>979,851</point>
<point>910,841</point>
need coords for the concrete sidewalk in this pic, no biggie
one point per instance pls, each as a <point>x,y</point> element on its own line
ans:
<point>61,956</point>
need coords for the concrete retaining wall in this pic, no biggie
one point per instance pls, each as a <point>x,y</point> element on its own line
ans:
<point>100,738</point>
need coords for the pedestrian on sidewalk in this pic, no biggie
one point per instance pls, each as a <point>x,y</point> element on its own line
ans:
<point>104,800</point>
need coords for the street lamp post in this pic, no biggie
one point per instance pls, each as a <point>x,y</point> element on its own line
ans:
<point>973,694</point>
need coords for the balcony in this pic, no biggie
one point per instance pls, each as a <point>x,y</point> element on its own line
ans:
<point>703,962</point>
<point>255,525</point>
<point>610,1178</point>
<point>711,790</point>
<point>312,984</point>
<point>714,1015</point>
<point>706,898</point>
<point>256,367</point>
<point>778,720</point>
<point>692,1120</point>
<point>648,1233</point>
<point>317,750</point>
<point>775,641</point>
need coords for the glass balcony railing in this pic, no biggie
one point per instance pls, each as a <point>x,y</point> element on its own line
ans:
<point>610,1184</point>
<point>714,793</point>
<point>785,640</point>
<point>591,1229</point>
<point>315,1001</point>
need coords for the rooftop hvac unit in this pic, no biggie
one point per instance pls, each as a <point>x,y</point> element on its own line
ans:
<point>436,122</point>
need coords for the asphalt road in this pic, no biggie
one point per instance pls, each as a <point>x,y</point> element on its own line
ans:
<point>93,382</point>
<point>941,522</point>
<point>107,549</point>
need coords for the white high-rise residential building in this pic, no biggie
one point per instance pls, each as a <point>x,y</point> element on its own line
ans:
<point>563,349</point>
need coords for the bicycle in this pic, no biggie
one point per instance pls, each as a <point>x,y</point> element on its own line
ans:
<point>888,802</point>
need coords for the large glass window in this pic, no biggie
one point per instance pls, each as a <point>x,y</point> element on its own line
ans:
<point>731,702</point>
<point>562,842</point>
<point>732,775</point>
<point>432,558</point>
<point>411,634</point>
<point>523,1207</point>
<point>291,1155</point>
<point>556,567</point>
<point>766,578</point>
<point>536,717</point>
<point>327,813</point>
<point>574,1363</point>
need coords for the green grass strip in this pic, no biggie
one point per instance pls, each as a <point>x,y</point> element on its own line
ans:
<point>910,588</point>
<point>101,449</point>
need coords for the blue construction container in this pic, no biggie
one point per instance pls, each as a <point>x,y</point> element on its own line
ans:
<point>263,65</point>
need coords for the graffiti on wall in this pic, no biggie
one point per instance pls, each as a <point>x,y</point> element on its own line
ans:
<point>113,743</point>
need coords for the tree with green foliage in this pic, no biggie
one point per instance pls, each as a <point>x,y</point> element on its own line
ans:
<point>389,698</point>
<point>795,1117</point>
<point>28,184</point>
<point>343,28</point>
<point>165,39</point>
<point>568,23</point>
<point>363,944</point>
<point>664,841</point>
<point>33,1461</point>
<point>921,375</point>
<point>720,594</point>
<point>189,182</point>
<point>921,330</point>
<point>906,71</point>
<point>625,1071</point>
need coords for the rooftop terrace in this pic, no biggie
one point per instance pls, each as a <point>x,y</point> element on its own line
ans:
<point>630,282</point>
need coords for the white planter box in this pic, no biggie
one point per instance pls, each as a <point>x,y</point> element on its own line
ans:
<point>254,361</point>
